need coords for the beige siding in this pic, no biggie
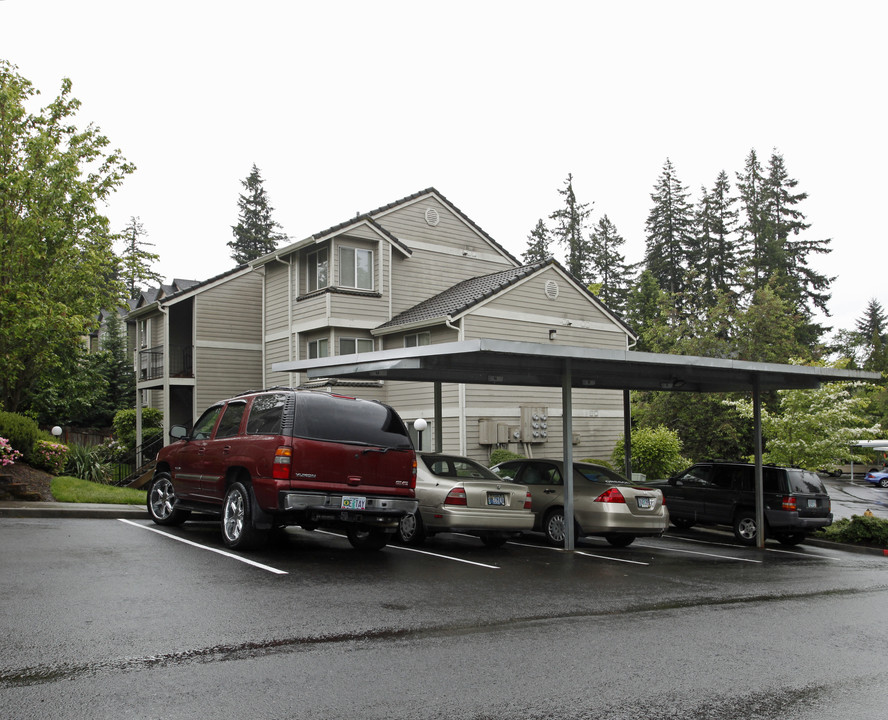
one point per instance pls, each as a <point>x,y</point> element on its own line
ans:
<point>223,373</point>
<point>231,311</point>
<point>276,297</point>
<point>361,310</point>
<point>276,351</point>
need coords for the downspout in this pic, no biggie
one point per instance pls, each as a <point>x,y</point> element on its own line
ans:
<point>166,374</point>
<point>460,336</point>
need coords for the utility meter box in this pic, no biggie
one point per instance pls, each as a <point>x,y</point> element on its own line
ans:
<point>534,423</point>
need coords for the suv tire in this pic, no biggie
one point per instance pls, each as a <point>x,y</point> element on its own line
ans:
<point>744,527</point>
<point>237,520</point>
<point>161,501</point>
<point>367,538</point>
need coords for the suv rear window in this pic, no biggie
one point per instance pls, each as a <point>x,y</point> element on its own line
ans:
<point>805,482</point>
<point>332,418</point>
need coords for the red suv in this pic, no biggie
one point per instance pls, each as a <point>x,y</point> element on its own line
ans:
<point>280,457</point>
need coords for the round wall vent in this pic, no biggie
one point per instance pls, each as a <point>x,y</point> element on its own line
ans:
<point>551,290</point>
<point>431,216</point>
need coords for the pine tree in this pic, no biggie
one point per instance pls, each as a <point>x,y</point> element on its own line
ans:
<point>754,224</point>
<point>570,232</point>
<point>670,230</point>
<point>537,244</point>
<point>872,336</point>
<point>255,233</point>
<point>135,260</point>
<point>609,264</point>
<point>714,252</point>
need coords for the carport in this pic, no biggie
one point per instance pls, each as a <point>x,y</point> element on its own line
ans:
<point>500,362</point>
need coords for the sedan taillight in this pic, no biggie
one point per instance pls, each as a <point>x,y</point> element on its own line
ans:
<point>789,503</point>
<point>282,458</point>
<point>527,502</point>
<point>613,495</point>
<point>457,496</point>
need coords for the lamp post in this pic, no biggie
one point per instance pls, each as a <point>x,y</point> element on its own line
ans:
<point>419,425</point>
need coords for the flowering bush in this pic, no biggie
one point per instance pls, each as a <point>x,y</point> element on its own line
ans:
<point>49,456</point>
<point>8,456</point>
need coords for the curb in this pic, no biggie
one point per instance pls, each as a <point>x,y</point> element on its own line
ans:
<point>26,509</point>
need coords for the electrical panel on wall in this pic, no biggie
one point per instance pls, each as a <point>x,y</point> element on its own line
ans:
<point>534,423</point>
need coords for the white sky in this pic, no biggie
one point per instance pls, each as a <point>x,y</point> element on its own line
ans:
<point>347,106</point>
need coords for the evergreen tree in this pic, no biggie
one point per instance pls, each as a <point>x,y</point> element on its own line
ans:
<point>644,310</point>
<point>753,247</point>
<point>118,366</point>
<point>537,244</point>
<point>670,228</point>
<point>609,264</point>
<point>712,256</point>
<point>135,260</point>
<point>570,231</point>
<point>872,337</point>
<point>255,234</point>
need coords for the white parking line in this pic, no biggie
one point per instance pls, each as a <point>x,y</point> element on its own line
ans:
<point>204,547</point>
<point>694,552</point>
<point>425,552</point>
<point>605,557</point>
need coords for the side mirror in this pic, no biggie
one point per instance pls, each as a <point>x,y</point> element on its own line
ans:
<point>178,432</point>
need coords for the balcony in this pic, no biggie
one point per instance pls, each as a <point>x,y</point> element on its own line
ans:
<point>151,362</point>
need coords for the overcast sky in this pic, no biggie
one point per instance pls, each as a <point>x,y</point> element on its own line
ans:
<point>347,106</point>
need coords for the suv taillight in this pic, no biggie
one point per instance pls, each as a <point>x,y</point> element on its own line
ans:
<point>611,496</point>
<point>282,458</point>
<point>527,502</point>
<point>457,496</point>
<point>413,477</point>
<point>789,503</point>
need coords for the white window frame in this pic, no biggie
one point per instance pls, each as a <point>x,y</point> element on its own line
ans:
<point>319,348</point>
<point>348,267</point>
<point>312,269</point>
<point>418,339</point>
<point>368,345</point>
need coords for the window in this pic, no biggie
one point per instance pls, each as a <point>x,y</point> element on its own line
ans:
<point>317,270</point>
<point>204,426</point>
<point>356,268</point>
<point>417,339</point>
<point>266,415</point>
<point>231,420</point>
<point>318,348</point>
<point>350,346</point>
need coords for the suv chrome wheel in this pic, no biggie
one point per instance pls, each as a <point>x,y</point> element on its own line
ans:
<point>237,520</point>
<point>161,502</point>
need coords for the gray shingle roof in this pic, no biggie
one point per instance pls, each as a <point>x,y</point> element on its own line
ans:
<point>463,295</point>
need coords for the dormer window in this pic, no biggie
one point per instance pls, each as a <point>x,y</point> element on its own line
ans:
<point>318,270</point>
<point>355,268</point>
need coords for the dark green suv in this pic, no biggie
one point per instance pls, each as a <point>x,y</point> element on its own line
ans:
<point>723,493</point>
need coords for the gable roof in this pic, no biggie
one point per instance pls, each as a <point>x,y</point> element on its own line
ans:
<point>465,295</point>
<point>176,289</point>
<point>372,218</point>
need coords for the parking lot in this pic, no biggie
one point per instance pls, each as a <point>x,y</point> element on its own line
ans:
<point>116,618</point>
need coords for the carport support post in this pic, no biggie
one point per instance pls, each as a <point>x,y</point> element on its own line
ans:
<point>627,435</point>
<point>759,476</point>
<point>567,427</point>
<point>439,418</point>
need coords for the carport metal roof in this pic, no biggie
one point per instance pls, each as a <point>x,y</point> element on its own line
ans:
<point>500,362</point>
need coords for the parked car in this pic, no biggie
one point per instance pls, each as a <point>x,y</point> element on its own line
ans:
<point>280,457</point>
<point>723,493</point>
<point>456,494</point>
<point>878,477</point>
<point>605,503</point>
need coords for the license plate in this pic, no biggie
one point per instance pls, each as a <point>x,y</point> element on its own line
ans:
<point>354,503</point>
<point>645,503</point>
<point>812,503</point>
<point>496,499</point>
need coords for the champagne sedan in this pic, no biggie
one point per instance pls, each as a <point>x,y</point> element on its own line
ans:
<point>605,503</point>
<point>457,494</point>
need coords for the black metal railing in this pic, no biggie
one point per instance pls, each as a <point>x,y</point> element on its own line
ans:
<point>151,362</point>
<point>137,461</point>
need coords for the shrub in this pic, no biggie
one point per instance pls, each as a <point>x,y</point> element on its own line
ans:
<point>656,452</point>
<point>860,530</point>
<point>8,455</point>
<point>124,426</point>
<point>88,463</point>
<point>49,456</point>
<point>21,432</point>
<point>499,455</point>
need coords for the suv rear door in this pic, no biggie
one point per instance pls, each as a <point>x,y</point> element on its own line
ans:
<point>724,492</point>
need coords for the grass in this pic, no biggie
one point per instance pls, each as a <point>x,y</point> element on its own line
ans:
<point>74,490</point>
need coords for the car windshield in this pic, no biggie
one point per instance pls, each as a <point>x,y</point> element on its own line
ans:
<point>457,467</point>
<point>597,473</point>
